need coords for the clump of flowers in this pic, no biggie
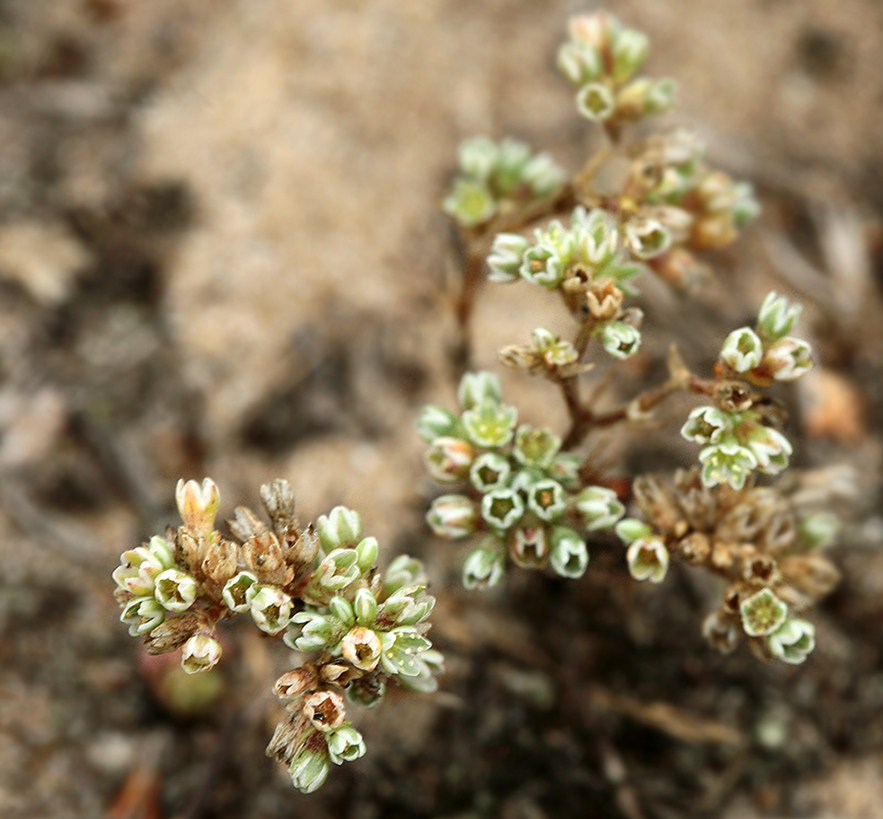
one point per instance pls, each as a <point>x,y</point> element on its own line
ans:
<point>525,493</point>
<point>519,493</point>
<point>497,178</point>
<point>317,587</point>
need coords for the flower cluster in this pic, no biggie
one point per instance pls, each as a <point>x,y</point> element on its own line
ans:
<point>601,59</point>
<point>736,434</point>
<point>757,538</point>
<point>318,587</point>
<point>519,491</point>
<point>498,177</point>
<point>590,263</point>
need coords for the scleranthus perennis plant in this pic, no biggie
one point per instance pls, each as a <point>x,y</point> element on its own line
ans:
<point>524,494</point>
<point>317,588</point>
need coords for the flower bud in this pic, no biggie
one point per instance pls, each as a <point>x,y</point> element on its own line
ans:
<point>595,102</point>
<point>336,571</point>
<point>477,388</point>
<point>484,567</point>
<point>477,157</point>
<point>535,446</point>
<point>568,554</point>
<point>620,340</point>
<point>366,554</point>
<point>793,641</point>
<point>647,238</point>
<point>470,203</point>
<point>706,425</point>
<point>176,590</point>
<point>345,745</point>
<point>819,530</point>
<point>201,652</point>
<point>648,559</point>
<point>239,591</point>
<point>162,550</point>
<point>312,631</point>
<point>788,359</point>
<point>142,615</point>
<point>342,609</point>
<point>505,258</point>
<point>309,769</point>
<point>403,571</point>
<point>434,421</point>
<point>546,499</point>
<point>271,609</point>
<point>631,529</point>
<point>762,613</point>
<point>361,647</point>
<point>448,459</point>
<point>543,175</point>
<point>502,508</point>
<point>742,350</point>
<point>769,447</point>
<point>579,62</point>
<point>365,607</point>
<point>776,317</point>
<point>198,505</point>
<point>598,507</point>
<point>453,516</point>
<point>339,529</point>
<point>630,48</point>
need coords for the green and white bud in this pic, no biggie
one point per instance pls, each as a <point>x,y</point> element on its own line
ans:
<point>788,359</point>
<point>406,607</point>
<point>742,350</point>
<point>484,567</point>
<point>568,554</point>
<point>477,157</point>
<point>596,236</point>
<point>478,388</point>
<point>543,174</point>
<point>762,613</point>
<point>620,340</point>
<point>647,238</point>
<point>502,508</point>
<point>342,610</point>
<point>542,264</point>
<point>403,571</point>
<point>200,653</point>
<point>365,607</point>
<point>504,261</point>
<point>341,528</point>
<point>336,571</point>
<point>453,516</point>
<point>555,352</point>
<point>745,206</point>
<point>309,769</point>
<point>448,459</point>
<point>435,421</point>
<point>777,317</point>
<point>142,615</point>
<point>793,641</point>
<point>176,590</point>
<point>470,203</point>
<point>631,529</point>
<point>630,49</point>
<point>239,591</point>
<point>271,609</point>
<point>312,631</point>
<point>595,102</point>
<point>598,507</point>
<point>198,505</point>
<point>546,499</point>
<point>565,468</point>
<point>508,173</point>
<point>366,554</point>
<point>579,62</point>
<point>661,97</point>
<point>490,471</point>
<point>771,449</point>
<point>819,530</point>
<point>162,550</point>
<point>726,462</point>
<point>490,424</point>
<point>345,745</point>
<point>648,559</point>
<point>535,446</point>
<point>707,425</point>
<point>361,647</point>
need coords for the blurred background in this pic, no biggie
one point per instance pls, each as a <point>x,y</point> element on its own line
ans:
<point>221,253</point>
